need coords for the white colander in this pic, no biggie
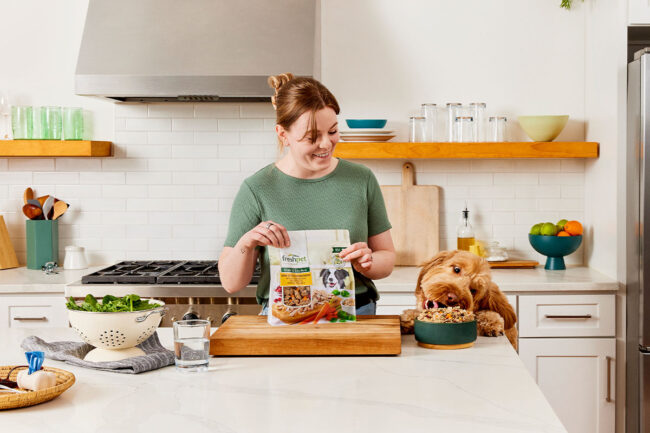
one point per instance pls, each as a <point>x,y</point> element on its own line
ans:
<point>115,335</point>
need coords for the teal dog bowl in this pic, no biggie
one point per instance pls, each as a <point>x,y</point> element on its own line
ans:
<point>366,123</point>
<point>555,248</point>
<point>445,335</point>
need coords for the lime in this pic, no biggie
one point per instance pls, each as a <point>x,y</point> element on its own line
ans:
<point>548,229</point>
<point>534,230</point>
<point>560,225</point>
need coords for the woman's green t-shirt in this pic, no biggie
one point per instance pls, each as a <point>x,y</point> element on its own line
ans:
<point>347,198</point>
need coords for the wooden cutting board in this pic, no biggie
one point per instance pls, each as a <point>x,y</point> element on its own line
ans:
<point>514,264</point>
<point>8,257</point>
<point>413,213</point>
<point>253,336</point>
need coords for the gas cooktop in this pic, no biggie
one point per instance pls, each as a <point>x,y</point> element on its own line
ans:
<point>160,272</point>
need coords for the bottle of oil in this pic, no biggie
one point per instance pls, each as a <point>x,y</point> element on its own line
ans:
<point>465,233</point>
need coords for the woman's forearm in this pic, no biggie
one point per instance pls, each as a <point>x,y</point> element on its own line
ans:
<point>383,263</point>
<point>236,266</point>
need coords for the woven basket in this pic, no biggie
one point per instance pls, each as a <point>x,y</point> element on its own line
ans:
<point>11,400</point>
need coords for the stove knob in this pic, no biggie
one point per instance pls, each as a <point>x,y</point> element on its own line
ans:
<point>191,316</point>
<point>227,315</point>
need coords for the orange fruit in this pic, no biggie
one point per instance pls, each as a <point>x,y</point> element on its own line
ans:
<point>563,233</point>
<point>574,228</point>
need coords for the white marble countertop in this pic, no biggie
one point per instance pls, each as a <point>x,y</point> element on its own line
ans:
<point>485,388</point>
<point>23,280</point>
<point>576,278</point>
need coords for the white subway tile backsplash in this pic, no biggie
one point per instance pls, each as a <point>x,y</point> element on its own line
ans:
<point>179,109</point>
<point>195,125</point>
<point>126,244</point>
<point>149,231</point>
<point>126,138</point>
<point>147,204</point>
<point>78,164</point>
<point>197,231</point>
<point>470,178</point>
<point>215,191</point>
<point>127,217</point>
<point>494,191</point>
<point>241,125</point>
<point>4,164</point>
<point>572,191</point>
<point>171,217</point>
<point>562,179</point>
<point>124,191</point>
<point>20,178</point>
<point>97,177</point>
<point>516,178</point>
<point>572,165</point>
<point>258,110</point>
<point>170,138</point>
<point>192,178</point>
<point>68,192</point>
<point>492,165</point>
<point>171,164</point>
<point>255,164</point>
<point>217,110</point>
<point>54,178</point>
<point>148,151</point>
<point>31,164</point>
<point>130,109</point>
<point>561,204</point>
<point>195,204</point>
<point>195,151</point>
<point>155,178</point>
<point>537,165</point>
<point>171,191</point>
<point>148,125</point>
<point>266,138</point>
<point>120,164</point>
<point>212,138</point>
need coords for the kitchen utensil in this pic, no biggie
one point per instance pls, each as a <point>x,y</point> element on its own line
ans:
<point>243,335</point>
<point>413,212</point>
<point>464,129</point>
<point>542,128</point>
<point>42,199</point>
<point>453,111</point>
<point>32,211</point>
<point>74,258</point>
<point>41,242</point>
<point>8,257</point>
<point>430,114</point>
<point>477,111</point>
<point>51,123</point>
<point>73,123</point>
<point>64,380</point>
<point>28,195</point>
<point>445,335</point>
<point>514,264</point>
<point>22,125</point>
<point>417,129</point>
<point>555,248</point>
<point>366,123</point>
<point>60,207</point>
<point>192,345</point>
<point>35,202</point>
<point>116,334</point>
<point>5,388</point>
<point>497,131</point>
<point>47,206</point>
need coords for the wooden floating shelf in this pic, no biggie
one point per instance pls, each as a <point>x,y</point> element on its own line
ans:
<point>500,150</point>
<point>50,148</point>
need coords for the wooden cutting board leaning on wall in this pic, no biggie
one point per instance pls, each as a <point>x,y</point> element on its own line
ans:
<point>7,254</point>
<point>413,213</point>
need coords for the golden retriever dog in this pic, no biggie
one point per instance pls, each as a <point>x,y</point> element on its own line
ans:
<point>461,278</point>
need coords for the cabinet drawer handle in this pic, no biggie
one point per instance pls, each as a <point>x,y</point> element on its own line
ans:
<point>559,316</point>
<point>32,319</point>
<point>609,379</point>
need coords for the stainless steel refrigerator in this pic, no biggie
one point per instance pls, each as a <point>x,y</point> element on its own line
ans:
<point>638,245</point>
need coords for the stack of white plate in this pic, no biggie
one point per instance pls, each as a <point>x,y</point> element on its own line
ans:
<point>376,134</point>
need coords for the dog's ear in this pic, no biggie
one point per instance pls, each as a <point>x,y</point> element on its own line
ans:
<point>323,272</point>
<point>341,274</point>
<point>436,260</point>
<point>494,300</point>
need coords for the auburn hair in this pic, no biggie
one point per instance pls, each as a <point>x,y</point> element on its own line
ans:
<point>297,95</point>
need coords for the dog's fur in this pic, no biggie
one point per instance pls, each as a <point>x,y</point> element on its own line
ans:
<point>336,277</point>
<point>471,288</point>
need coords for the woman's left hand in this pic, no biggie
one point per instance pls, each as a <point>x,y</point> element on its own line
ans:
<point>360,255</point>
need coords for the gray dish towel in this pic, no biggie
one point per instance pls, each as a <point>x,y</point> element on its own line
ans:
<point>72,352</point>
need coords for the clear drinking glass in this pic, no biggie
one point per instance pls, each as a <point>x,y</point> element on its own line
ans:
<point>430,113</point>
<point>465,129</point>
<point>73,123</point>
<point>22,122</point>
<point>5,115</point>
<point>477,111</point>
<point>453,111</point>
<point>497,128</point>
<point>37,123</point>
<point>51,123</point>
<point>192,345</point>
<point>417,129</point>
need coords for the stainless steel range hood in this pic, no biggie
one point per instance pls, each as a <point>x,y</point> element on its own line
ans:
<point>194,50</point>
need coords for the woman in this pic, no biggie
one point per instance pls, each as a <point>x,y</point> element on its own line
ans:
<point>308,189</point>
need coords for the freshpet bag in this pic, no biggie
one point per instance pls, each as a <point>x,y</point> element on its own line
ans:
<point>309,282</point>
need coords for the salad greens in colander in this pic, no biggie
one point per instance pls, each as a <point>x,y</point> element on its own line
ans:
<point>111,304</point>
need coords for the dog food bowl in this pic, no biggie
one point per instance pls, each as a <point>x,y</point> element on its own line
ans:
<point>555,248</point>
<point>366,123</point>
<point>542,128</point>
<point>445,335</point>
<point>116,334</point>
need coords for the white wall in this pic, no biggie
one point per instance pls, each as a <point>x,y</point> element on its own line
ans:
<point>167,191</point>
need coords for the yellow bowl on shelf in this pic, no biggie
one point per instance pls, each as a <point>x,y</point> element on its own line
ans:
<point>543,128</point>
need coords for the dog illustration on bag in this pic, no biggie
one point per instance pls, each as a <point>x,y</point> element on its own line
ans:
<point>334,279</point>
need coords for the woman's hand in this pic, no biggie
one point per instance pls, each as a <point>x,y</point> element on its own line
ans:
<point>360,255</point>
<point>267,233</point>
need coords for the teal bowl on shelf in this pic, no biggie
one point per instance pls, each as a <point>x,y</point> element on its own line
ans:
<point>366,123</point>
<point>555,248</point>
<point>445,335</point>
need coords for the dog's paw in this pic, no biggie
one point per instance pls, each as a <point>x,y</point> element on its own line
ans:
<point>407,321</point>
<point>489,323</point>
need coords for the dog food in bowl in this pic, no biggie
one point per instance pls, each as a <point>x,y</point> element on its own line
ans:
<point>446,315</point>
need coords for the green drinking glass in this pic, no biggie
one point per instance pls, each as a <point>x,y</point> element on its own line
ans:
<point>51,123</point>
<point>73,123</point>
<point>22,125</point>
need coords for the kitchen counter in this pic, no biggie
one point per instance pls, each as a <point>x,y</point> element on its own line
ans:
<point>23,280</point>
<point>484,388</point>
<point>576,278</point>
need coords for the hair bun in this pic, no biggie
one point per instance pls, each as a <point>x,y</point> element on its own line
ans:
<point>276,82</point>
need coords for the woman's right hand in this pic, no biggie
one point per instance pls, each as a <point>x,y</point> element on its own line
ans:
<point>267,233</point>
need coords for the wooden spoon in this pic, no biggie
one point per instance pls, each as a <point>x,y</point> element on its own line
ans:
<point>33,212</point>
<point>59,209</point>
<point>47,206</point>
<point>35,203</point>
<point>28,194</point>
<point>42,199</point>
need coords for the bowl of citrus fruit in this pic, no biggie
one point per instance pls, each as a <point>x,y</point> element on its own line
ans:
<point>556,241</point>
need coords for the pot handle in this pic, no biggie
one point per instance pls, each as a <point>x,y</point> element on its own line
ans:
<point>162,312</point>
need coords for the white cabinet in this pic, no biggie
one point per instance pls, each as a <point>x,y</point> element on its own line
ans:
<point>638,12</point>
<point>577,377</point>
<point>33,311</point>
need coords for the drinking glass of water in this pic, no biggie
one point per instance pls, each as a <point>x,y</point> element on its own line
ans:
<point>192,345</point>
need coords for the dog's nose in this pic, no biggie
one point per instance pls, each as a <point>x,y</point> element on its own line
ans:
<point>452,298</point>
